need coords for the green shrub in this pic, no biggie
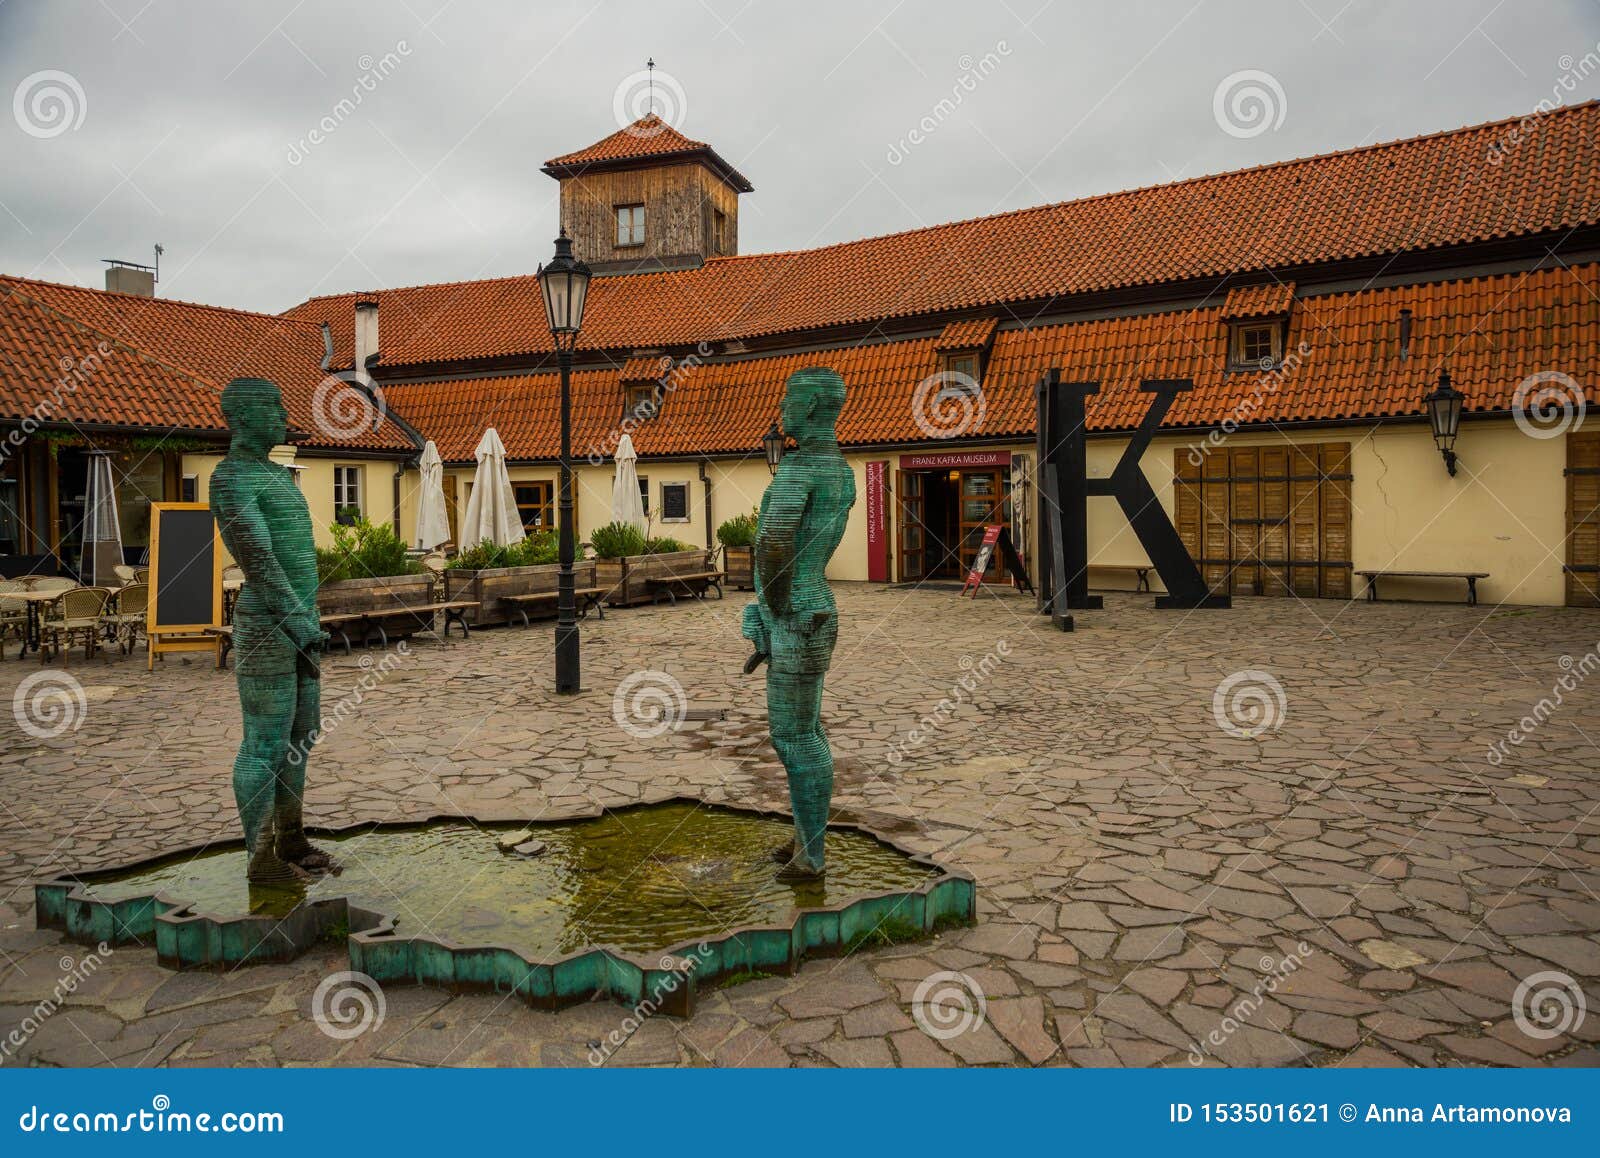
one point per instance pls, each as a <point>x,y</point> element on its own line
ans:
<point>665,546</point>
<point>539,547</point>
<point>614,540</point>
<point>364,550</point>
<point>739,531</point>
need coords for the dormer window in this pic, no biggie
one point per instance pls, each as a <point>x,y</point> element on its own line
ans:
<point>641,400</point>
<point>960,368</point>
<point>1255,345</point>
<point>630,225</point>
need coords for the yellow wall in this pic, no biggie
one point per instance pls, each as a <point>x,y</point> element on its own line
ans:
<point>316,483</point>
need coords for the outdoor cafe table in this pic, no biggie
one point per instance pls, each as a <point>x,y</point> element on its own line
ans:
<point>36,602</point>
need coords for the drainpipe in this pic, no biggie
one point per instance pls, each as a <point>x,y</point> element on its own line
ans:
<point>705,480</point>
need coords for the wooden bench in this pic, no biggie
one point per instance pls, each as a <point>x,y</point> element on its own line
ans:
<point>455,611</point>
<point>1141,572</point>
<point>585,597</point>
<point>695,583</point>
<point>333,623</point>
<point>1471,577</point>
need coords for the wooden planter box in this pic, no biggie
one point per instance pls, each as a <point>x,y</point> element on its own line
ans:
<point>488,588</point>
<point>740,564</point>
<point>625,577</point>
<point>383,592</point>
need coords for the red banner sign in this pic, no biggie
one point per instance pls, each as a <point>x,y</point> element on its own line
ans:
<point>991,536</point>
<point>955,459</point>
<point>877,522</point>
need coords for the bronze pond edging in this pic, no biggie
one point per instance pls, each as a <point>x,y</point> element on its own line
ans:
<point>666,983</point>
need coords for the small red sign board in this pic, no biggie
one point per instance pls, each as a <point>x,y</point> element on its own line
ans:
<point>991,536</point>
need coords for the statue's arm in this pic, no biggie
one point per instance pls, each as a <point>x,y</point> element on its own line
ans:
<point>244,533</point>
<point>777,544</point>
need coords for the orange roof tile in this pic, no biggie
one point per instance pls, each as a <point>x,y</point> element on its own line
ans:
<point>1490,332</point>
<point>1266,300</point>
<point>646,367</point>
<point>970,334</point>
<point>1425,193</point>
<point>648,139</point>
<point>201,347</point>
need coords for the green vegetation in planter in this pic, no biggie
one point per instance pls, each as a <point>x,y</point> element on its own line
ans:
<point>539,547</point>
<point>739,531</point>
<point>364,550</point>
<point>665,546</point>
<point>616,540</point>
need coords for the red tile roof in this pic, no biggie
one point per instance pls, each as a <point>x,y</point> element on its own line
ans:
<point>648,139</point>
<point>1420,194</point>
<point>199,348</point>
<point>1266,300</point>
<point>1490,332</point>
<point>646,367</point>
<point>971,334</point>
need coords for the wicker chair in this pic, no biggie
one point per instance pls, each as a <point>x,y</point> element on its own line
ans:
<point>141,574</point>
<point>126,623</point>
<point>13,614</point>
<point>434,564</point>
<point>77,612</point>
<point>124,574</point>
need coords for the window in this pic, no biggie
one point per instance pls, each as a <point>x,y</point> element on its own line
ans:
<point>719,231</point>
<point>644,494</point>
<point>641,400</point>
<point>960,372</point>
<point>346,490</point>
<point>1254,346</point>
<point>189,489</point>
<point>536,505</point>
<point>630,224</point>
<point>675,502</point>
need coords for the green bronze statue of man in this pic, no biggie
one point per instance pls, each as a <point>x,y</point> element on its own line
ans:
<point>793,623</point>
<point>277,635</point>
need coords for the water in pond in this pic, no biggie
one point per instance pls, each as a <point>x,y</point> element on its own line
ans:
<point>641,880</point>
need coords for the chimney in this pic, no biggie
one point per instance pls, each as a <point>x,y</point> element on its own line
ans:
<point>126,277</point>
<point>366,336</point>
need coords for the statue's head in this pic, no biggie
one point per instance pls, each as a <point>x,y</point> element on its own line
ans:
<point>254,410</point>
<point>812,400</point>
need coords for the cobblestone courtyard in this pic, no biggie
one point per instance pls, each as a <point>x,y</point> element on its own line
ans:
<point>1347,878</point>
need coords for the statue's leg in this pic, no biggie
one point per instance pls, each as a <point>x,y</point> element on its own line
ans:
<point>794,710</point>
<point>267,703</point>
<point>291,775</point>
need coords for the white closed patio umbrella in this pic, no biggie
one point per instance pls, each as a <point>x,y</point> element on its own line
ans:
<point>492,509</point>
<point>627,506</point>
<point>433,521</point>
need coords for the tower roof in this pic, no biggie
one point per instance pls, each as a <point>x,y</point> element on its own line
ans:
<point>648,141</point>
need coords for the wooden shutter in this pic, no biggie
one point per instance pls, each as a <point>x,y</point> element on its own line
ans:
<point>1274,520</point>
<point>1583,520</point>
<point>1335,550</point>
<point>1244,521</point>
<point>1214,530</point>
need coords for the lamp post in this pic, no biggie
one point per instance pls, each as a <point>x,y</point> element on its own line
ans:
<point>1444,415</point>
<point>564,283</point>
<point>772,444</point>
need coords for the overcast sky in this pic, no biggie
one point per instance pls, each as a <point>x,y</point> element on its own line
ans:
<point>134,122</point>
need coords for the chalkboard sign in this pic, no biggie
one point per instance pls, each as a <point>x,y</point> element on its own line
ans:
<point>185,579</point>
<point>674,502</point>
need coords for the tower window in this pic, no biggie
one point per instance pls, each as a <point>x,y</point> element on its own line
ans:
<point>630,224</point>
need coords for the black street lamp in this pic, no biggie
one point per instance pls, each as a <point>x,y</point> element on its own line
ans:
<point>772,443</point>
<point>565,284</point>
<point>1444,415</point>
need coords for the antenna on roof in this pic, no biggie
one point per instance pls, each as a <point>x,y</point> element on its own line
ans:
<point>650,75</point>
<point>157,270</point>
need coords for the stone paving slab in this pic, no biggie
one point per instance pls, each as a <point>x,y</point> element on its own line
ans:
<point>1362,869</point>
